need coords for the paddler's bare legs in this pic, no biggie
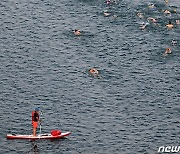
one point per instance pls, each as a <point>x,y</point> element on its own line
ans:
<point>34,131</point>
<point>35,126</point>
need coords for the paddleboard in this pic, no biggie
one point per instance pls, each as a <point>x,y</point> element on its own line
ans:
<point>39,136</point>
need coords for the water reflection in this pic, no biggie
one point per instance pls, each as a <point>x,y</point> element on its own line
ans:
<point>34,149</point>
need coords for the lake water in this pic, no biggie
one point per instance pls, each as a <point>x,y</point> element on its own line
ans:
<point>131,108</point>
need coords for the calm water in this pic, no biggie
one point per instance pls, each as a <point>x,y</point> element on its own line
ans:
<point>132,108</point>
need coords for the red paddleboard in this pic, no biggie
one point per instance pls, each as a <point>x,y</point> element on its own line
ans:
<point>40,136</point>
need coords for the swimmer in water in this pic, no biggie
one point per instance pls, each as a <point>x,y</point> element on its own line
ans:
<point>166,1</point>
<point>178,22</point>
<point>143,25</point>
<point>108,2</point>
<point>174,42</point>
<point>167,12</point>
<point>106,13</point>
<point>114,16</point>
<point>151,7</point>
<point>140,15</point>
<point>77,32</point>
<point>152,19</point>
<point>94,72</point>
<point>168,51</point>
<point>169,25</point>
<point>174,11</point>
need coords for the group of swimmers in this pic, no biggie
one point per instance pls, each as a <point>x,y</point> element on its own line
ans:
<point>153,20</point>
<point>169,25</point>
<point>93,71</point>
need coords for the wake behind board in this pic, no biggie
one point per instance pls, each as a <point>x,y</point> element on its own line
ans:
<point>40,136</point>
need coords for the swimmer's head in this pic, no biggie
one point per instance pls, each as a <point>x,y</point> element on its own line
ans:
<point>169,25</point>
<point>168,50</point>
<point>167,12</point>
<point>77,32</point>
<point>93,72</point>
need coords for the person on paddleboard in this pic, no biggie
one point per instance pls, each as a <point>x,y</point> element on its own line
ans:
<point>35,120</point>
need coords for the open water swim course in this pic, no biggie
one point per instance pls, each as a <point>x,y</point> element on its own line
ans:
<point>132,107</point>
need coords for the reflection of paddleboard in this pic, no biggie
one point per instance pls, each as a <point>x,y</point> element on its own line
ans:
<point>40,136</point>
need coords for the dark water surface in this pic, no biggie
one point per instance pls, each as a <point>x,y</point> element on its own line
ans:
<point>132,108</point>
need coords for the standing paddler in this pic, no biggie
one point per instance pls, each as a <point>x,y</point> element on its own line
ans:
<point>35,120</point>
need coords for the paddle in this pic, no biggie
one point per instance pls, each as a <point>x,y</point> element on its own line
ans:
<point>40,128</point>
